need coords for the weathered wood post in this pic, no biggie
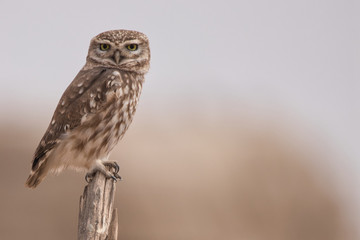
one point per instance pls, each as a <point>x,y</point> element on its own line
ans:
<point>97,218</point>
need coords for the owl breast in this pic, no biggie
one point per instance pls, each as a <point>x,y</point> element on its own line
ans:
<point>105,119</point>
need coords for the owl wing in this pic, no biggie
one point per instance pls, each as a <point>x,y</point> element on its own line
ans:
<point>88,85</point>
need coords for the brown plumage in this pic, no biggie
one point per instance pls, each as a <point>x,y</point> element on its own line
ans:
<point>97,107</point>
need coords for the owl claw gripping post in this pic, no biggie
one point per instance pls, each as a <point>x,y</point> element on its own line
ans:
<point>96,109</point>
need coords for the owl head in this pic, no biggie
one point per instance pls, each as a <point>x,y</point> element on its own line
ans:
<point>122,49</point>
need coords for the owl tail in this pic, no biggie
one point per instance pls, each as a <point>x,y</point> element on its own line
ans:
<point>36,177</point>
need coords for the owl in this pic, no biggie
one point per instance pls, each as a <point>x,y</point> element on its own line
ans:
<point>96,109</point>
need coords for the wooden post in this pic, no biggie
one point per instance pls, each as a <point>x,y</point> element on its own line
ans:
<point>97,218</point>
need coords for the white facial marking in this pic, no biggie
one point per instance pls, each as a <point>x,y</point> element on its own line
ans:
<point>80,84</point>
<point>81,90</point>
<point>116,73</point>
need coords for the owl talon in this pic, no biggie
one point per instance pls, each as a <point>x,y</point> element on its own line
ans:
<point>89,177</point>
<point>112,164</point>
<point>114,178</point>
<point>117,176</point>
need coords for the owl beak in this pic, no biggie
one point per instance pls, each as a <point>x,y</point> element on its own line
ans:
<point>117,56</point>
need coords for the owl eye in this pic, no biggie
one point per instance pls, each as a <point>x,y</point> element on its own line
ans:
<point>104,47</point>
<point>132,47</point>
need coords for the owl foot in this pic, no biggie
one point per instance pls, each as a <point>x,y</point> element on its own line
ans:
<point>101,167</point>
<point>112,164</point>
<point>115,166</point>
<point>90,175</point>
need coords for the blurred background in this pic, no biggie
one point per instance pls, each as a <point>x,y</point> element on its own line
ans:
<point>247,127</point>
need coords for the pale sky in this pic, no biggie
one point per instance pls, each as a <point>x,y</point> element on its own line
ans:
<point>211,57</point>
